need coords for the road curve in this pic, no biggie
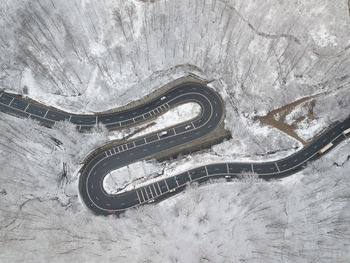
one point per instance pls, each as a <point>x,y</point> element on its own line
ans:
<point>93,172</point>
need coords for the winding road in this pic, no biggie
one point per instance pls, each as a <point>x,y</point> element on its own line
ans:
<point>94,171</point>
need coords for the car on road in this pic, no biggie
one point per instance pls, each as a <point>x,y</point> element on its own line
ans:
<point>176,178</point>
<point>172,190</point>
<point>188,127</point>
<point>228,176</point>
<point>150,201</point>
<point>163,134</point>
<point>163,98</point>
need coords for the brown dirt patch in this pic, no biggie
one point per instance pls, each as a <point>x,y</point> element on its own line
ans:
<point>277,117</point>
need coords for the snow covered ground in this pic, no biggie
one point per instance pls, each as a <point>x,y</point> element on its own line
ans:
<point>182,113</point>
<point>303,218</point>
<point>90,56</point>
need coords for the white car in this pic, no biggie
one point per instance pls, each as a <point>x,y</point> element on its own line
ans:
<point>163,98</point>
<point>228,176</point>
<point>189,126</point>
<point>163,134</point>
<point>172,190</point>
<point>150,201</point>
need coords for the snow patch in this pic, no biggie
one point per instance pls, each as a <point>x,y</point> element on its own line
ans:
<point>117,180</point>
<point>182,113</point>
<point>323,37</point>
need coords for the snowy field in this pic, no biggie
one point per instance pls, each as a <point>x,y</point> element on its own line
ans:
<point>90,56</point>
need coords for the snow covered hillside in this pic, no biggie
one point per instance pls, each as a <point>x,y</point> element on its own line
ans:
<point>303,218</point>
<point>89,56</point>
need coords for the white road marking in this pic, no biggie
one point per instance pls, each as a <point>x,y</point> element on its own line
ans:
<point>160,191</point>
<point>277,167</point>
<point>206,170</point>
<point>228,171</point>
<point>146,193</point>
<point>189,175</point>
<point>154,190</point>
<point>142,195</point>
<point>138,196</point>
<point>46,113</point>
<point>11,101</point>
<point>166,184</point>
<point>26,107</point>
<point>252,167</point>
<point>150,191</point>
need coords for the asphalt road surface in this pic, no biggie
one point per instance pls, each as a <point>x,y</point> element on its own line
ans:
<point>93,172</point>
